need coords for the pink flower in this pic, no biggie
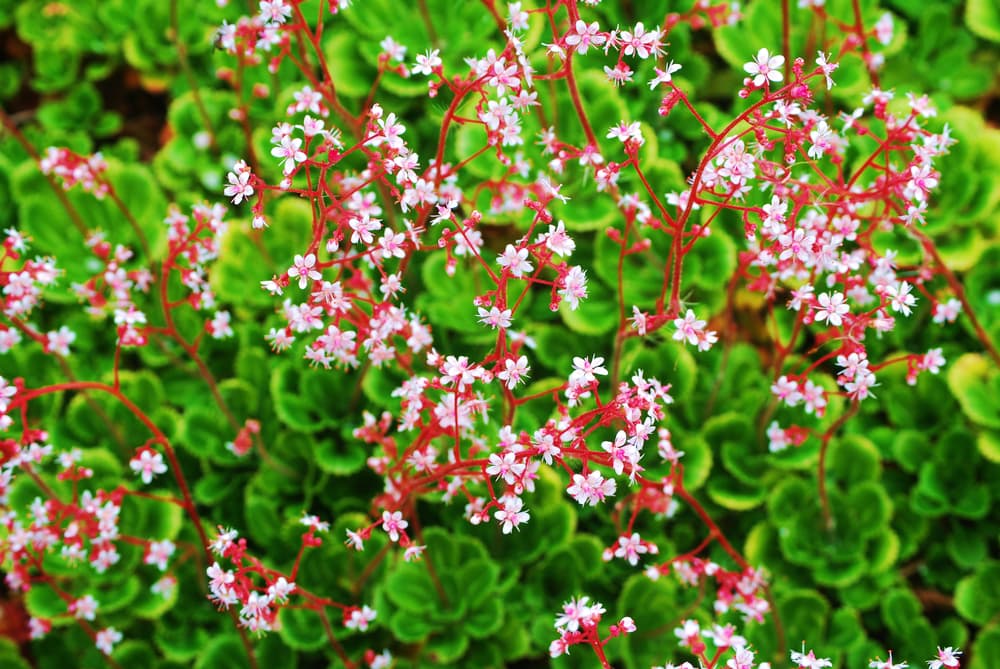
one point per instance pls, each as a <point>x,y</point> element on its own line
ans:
<point>158,552</point>
<point>515,261</point>
<point>107,638</point>
<point>304,267</point>
<point>219,326</point>
<point>427,63</point>
<point>290,152</point>
<point>584,36</point>
<point>38,627</point>
<point>832,308</point>
<point>947,312</point>
<point>239,187</point>
<point>809,661</point>
<point>945,658</point>
<point>393,524</point>
<point>148,463</point>
<point>84,608</point>
<point>514,371</point>
<point>495,318</point>
<point>358,619</point>
<point>506,467</point>
<point>630,548</point>
<point>887,664</point>
<point>58,341</point>
<point>591,489</point>
<point>510,514</point>
<point>765,67</point>
<point>574,287</point>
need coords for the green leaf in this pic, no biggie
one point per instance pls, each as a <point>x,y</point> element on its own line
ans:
<point>975,382</point>
<point>119,595</point>
<point>585,212</point>
<point>212,488</point>
<point>478,581</point>
<point>670,362</point>
<point>840,575</point>
<point>151,519</point>
<point>409,626</point>
<point>986,650</point>
<point>550,526</point>
<point>649,603</point>
<point>854,459</point>
<point>804,614</point>
<point>989,445</point>
<point>177,642</point>
<point>204,433</point>
<point>983,18</point>
<point>302,629</point>
<point>966,545</point>
<point>132,653</point>
<point>224,652</point>
<point>10,655</point>
<point>845,628</point>
<point>292,390</point>
<point>869,507</point>
<point>977,597</point>
<point>900,610</point>
<point>595,315</point>
<point>486,619</point>
<point>735,495</point>
<point>911,449</point>
<point>263,522</point>
<point>352,78</point>
<point>149,605</point>
<point>884,551</point>
<point>447,648</point>
<point>697,463</point>
<point>339,457</point>
<point>43,602</point>
<point>788,499</point>
<point>410,588</point>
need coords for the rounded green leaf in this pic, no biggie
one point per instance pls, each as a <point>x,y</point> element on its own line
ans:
<point>975,383</point>
<point>302,629</point>
<point>977,597</point>
<point>223,652</point>
<point>983,18</point>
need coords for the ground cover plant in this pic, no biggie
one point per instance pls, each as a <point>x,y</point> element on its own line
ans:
<point>563,333</point>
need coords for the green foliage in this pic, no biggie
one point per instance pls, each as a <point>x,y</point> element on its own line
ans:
<point>467,595</point>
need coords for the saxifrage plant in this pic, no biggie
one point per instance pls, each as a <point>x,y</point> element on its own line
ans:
<point>430,291</point>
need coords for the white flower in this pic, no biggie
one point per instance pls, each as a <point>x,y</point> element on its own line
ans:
<point>584,36</point>
<point>239,187</point>
<point>304,267</point>
<point>832,308</point>
<point>514,372</point>
<point>510,514</point>
<point>148,463</point>
<point>495,318</point>
<point>515,261</point>
<point>765,67</point>
<point>358,619</point>
<point>106,639</point>
<point>663,76</point>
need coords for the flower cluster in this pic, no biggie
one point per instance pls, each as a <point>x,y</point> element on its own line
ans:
<point>83,528</point>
